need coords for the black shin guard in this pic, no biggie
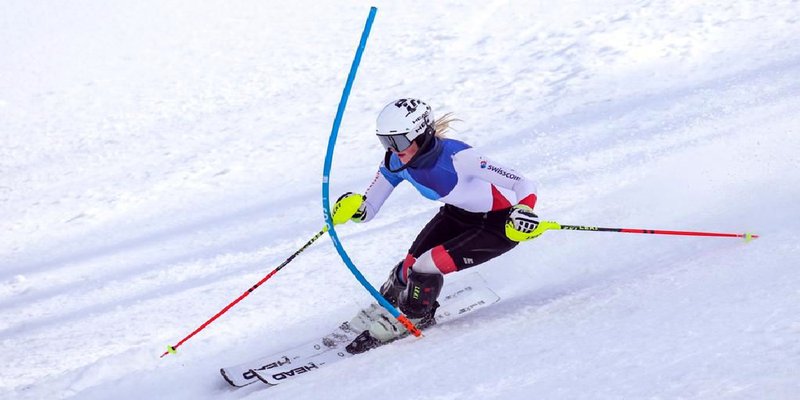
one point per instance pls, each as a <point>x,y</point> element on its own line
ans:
<point>419,298</point>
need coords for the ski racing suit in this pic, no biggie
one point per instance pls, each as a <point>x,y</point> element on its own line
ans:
<point>476,191</point>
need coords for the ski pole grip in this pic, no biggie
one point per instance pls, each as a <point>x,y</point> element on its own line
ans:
<point>409,325</point>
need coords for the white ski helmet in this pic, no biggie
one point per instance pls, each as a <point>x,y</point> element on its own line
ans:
<point>402,121</point>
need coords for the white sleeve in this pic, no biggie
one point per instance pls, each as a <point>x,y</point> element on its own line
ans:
<point>476,165</point>
<point>377,192</point>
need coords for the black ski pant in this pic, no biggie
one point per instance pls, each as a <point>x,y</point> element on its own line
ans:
<point>456,239</point>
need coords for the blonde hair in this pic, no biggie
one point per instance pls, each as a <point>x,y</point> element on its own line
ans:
<point>442,124</point>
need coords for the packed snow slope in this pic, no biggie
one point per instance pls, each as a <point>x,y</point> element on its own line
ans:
<point>160,157</point>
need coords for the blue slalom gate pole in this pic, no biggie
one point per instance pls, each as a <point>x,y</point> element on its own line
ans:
<point>326,180</point>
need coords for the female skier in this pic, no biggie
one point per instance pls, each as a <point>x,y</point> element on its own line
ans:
<point>476,223</point>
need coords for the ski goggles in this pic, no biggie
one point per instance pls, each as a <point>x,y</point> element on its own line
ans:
<point>398,142</point>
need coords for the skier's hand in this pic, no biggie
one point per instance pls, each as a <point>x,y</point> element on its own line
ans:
<point>522,223</point>
<point>349,206</point>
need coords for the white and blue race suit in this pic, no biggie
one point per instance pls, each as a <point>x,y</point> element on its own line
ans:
<point>477,193</point>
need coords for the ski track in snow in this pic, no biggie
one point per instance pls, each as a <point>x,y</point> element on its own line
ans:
<point>159,158</point>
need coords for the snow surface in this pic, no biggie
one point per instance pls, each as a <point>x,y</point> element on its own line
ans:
<point>160,157</point>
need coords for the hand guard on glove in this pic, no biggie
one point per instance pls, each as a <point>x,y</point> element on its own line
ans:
<point>349,206</point>
<point>521,223</point>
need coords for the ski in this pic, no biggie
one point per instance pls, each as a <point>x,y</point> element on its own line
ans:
<point>241,375</point>
<point>457,299</point>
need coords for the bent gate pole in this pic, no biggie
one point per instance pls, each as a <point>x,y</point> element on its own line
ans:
<point>326,184</point>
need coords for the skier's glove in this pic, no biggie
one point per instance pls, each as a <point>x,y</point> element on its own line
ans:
<point>522,223</point>
<point>349,206</point>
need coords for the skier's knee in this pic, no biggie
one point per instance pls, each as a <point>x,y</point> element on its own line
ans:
<point>435,261</point>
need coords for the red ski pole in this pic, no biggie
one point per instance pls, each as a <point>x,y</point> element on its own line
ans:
<point>173,349</point>
<point>745,236</point>
<point>550,225</point>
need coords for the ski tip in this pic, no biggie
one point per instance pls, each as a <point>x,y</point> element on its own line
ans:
<point>227,379</point>
<point>261,378</point>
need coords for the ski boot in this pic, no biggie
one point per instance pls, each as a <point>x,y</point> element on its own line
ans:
<point>417,300</point>
<point>390,290</point>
